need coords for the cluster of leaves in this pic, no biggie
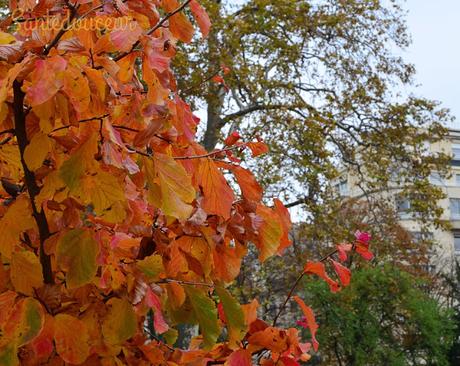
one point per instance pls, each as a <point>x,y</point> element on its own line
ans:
<point>112,211</point>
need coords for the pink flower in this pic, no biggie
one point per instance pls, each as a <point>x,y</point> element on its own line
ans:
<point>363,237</point>
<point>302,322</point>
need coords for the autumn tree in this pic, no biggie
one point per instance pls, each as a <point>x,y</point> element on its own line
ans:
<point>112,215</point>
<point>319,81</point>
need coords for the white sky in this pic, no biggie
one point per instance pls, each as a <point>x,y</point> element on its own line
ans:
<point>435,29</point>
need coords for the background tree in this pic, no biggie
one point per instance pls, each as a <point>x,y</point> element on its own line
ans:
<point>385,317</point>
<point>320,82</point>
<point>323,84</point>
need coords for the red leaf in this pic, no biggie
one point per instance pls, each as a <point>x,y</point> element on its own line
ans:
<point>288,361</point>
<point>319,269</point>
<point>343,272</point>
<point>342,250</point>
<point>362,245</point>
<point>242,357</point>
<point>232,138</point>
<point>201,17</point>
<point>152,301</point>
<point>364,252</point>
<point>218,79</point>
<point>310,319</point>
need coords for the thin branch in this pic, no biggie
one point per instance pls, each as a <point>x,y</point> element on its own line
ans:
<point>30,182</point>
<point>180,282</point>
<point>291,291</point>
<point>193,87</point>
<point>11,130</point>
<point>157,26</point>
<point>209,154</point>
<point>99,118</point>
<point>65,27</point>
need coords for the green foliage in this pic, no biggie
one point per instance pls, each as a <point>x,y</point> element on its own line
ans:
<point>383,318</point>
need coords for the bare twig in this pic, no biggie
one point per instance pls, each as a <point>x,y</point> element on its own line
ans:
<point>291,291</point>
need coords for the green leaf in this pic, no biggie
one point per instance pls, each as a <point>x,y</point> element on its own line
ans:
<point>120,323</point>
<point>234,315</point>
<point>8,354</point>
<point>206,314</point>
<point>76,254</point>
<point>151,266</point>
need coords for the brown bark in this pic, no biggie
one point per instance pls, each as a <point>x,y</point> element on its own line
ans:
<point>30,182</point>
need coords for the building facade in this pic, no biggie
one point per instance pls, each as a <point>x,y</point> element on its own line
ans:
<point>448,242</point>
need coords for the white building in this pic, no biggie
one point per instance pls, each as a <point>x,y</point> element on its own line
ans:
<point>448,241</point>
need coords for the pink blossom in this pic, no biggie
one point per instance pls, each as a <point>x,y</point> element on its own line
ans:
<point>363,237</point>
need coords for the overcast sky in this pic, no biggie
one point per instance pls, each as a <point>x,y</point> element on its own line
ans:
<point>435,29</point>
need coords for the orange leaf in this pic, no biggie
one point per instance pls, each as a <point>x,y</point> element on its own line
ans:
<point>271,338</point>
<point>201,17</point>
<point>241,357</point>
<point>250,188</point>
<point>71,338</point>
<point>217,194</point>
<point>257,148</point>
<point>179,25</point>
<point>342,250</point>
<point>343,272</point>
<point>270,232</point>
<point>286,224</point>
<point>310,319</point>
<point>319,269</point>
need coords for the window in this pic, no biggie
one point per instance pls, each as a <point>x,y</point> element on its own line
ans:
<point>418,236</point>
<point>455,208</point>
<point>402,204</point>
<point>456,151</point>
<point>436,179</point>
<point>343,188</point>
<point>457,243</point>
<point>457,179</point>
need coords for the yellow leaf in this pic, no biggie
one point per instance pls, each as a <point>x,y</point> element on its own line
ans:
<point>45,111</point>
<point>270,233</point>
<point>175,185</point>
<point>16,221</point>
<point>151,266</point>
<point>6,38</point>
<point>37,150</point>
<point>26,272</point>
<point>77,89</point>
<point>120,323</point>
<point>10,162</point>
